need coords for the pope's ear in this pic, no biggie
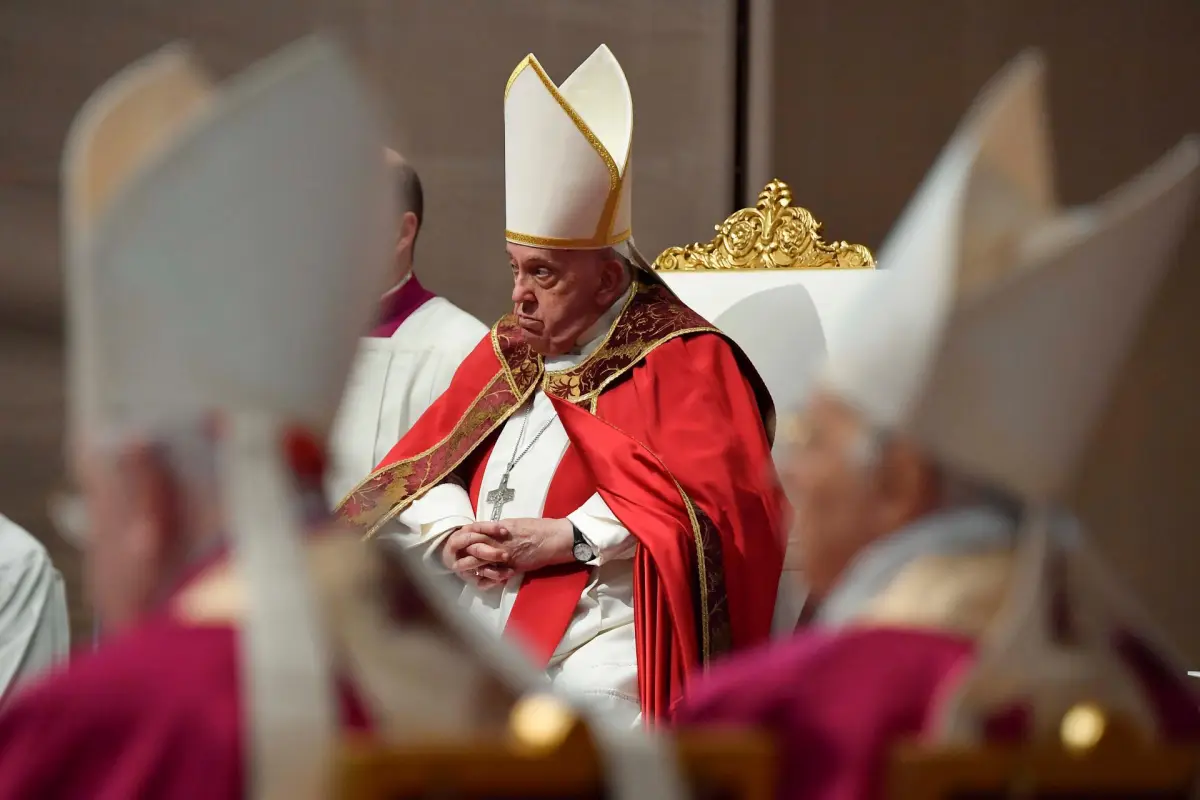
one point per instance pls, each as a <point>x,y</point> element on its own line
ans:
<point>613,276</point>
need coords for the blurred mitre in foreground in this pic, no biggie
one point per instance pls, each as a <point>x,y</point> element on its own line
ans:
<point>201,268</point>
<point>993,340</point>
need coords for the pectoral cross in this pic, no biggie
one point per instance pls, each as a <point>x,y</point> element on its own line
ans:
<point>499,496</point>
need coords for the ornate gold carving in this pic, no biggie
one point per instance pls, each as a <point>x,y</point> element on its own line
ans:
<point>773,235</point>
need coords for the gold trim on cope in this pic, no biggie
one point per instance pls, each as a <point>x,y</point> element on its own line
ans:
<point>773,235</point>
<point>702,574</point>
<point>389,490</point>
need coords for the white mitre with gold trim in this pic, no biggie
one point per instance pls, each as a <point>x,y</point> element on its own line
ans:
<point>566,155</point>
<point>1001,320</point>
<point>223,271</point>
<point>992,180</point>
<point>225,248</point>
<point>1013,397</point>
<point>994,340</point>
<point>125,122</point>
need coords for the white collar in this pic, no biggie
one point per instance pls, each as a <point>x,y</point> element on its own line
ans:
<point>592,338</point>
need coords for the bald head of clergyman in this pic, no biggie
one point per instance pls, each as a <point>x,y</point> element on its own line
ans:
<point>411,199</point>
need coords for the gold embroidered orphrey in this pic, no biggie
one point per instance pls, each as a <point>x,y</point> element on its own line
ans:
<point>773,235</point>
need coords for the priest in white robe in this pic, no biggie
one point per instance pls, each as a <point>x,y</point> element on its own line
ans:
<point>598,476</point>
<point>34,629</point>
<point>409,357</point>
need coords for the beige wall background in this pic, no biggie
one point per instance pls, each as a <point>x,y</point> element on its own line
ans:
<point>851,101</point>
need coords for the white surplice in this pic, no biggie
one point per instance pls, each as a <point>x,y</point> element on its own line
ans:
<point>393,382</point>
<point>34,631</point>
<point>596,661</point>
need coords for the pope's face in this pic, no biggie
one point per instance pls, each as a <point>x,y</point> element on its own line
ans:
<point>832,491</point>
<point>558,294</point>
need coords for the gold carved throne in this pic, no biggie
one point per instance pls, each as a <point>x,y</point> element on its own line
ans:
<point>774,235</point>
<point>772,284</point>
<point>767,278</point>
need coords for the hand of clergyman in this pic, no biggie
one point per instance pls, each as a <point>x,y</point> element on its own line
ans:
<point>485,566</point>
<point>527,544</point>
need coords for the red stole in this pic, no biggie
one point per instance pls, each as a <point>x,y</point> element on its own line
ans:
<point>399,305</point>
<point>547,598</point>
<point>668,423</point>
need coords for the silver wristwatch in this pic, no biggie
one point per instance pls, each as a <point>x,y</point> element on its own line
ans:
<point>582,551</point>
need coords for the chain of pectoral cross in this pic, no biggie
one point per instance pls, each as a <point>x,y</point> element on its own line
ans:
<point>502,495</point>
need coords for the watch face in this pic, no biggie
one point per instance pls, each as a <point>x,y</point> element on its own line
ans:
<point>583,552</point>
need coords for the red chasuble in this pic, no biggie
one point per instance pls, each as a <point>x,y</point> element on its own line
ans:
<point>154,713</point>
<point>669,423</point>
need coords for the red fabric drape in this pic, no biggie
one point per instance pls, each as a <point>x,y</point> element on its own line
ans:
<point>678,453</point>
<point>547,598</point>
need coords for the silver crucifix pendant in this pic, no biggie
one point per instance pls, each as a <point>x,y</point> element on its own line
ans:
<point>499,497</point>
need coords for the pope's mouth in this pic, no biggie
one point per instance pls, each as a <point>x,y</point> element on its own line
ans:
<point>529,323</point>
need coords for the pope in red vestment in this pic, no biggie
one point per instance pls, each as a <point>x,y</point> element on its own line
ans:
<point>667,422</point>
<point>956,602</point>
<point>619,424</point>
